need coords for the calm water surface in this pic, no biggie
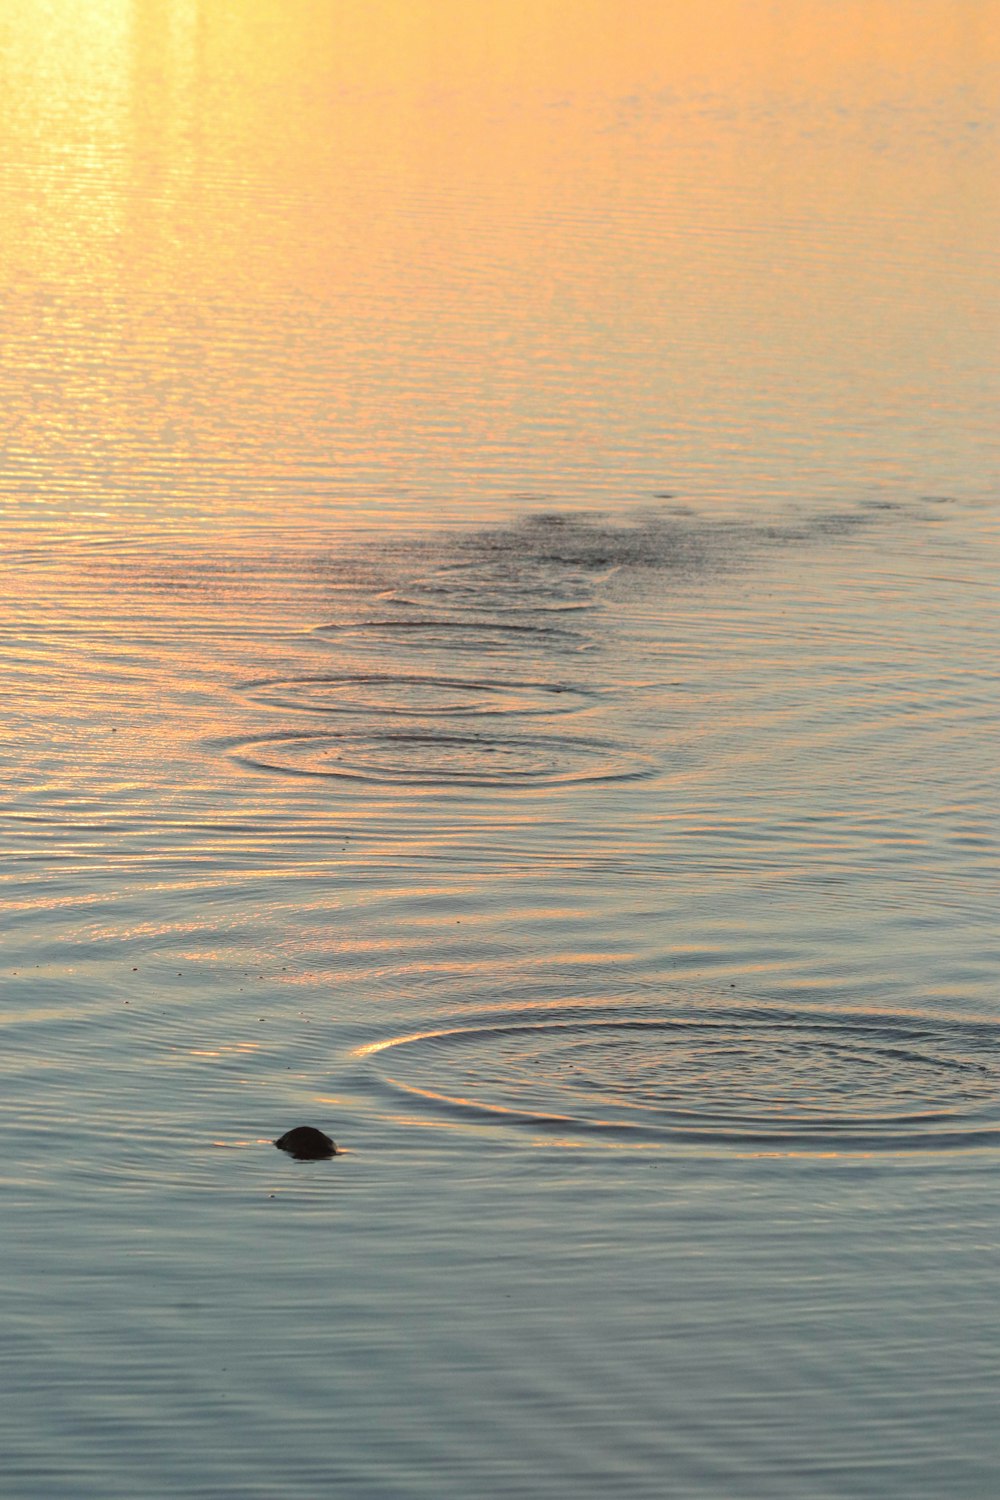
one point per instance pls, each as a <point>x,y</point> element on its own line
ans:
<point>499,611</point>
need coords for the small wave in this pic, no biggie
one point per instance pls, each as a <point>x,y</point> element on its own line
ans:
<point>460,634</point>
<point>762,1079</point>
<point>512,590</point>
<point>414,695</point>
<point>430,758</point>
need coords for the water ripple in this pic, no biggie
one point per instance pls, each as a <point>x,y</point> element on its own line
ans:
<point>429,757</point>
<point>458,634</point>
<point>761,1078</point>
<point>414,695</point>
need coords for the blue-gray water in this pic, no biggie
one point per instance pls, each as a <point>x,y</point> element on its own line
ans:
<point>582,808</point>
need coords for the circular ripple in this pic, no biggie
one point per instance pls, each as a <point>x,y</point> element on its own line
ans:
<point>460,635</point>
<point>391,693</point>
<point>429,758</point>
<point>761,1078</point>
<point>542,595</point>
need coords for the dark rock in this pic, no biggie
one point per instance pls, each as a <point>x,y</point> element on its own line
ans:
<point>306,1143</point>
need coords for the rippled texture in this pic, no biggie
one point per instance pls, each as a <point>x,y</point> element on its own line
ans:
<point>746,1078</point>
<point>499,624</point>
<point>644,1085</point>
<point>378,256</point>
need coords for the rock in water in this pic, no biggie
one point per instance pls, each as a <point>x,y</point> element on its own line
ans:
<point>306,1143</point>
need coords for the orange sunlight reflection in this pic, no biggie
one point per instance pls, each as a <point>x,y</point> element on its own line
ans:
<point>315,245</point>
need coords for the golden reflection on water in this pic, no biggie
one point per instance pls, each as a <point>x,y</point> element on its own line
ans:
<point>391,242</point>
<point>333,115</point>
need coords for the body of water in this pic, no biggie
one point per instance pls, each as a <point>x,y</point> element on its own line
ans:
<point>499,616</point>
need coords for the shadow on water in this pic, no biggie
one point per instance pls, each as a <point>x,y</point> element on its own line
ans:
<point>482,618</point>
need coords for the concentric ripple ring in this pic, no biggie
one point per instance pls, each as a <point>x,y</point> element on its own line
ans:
<point>756,1078</point>
<point>414,695</point>
<point>473,634</point>
<point>428,757</point>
